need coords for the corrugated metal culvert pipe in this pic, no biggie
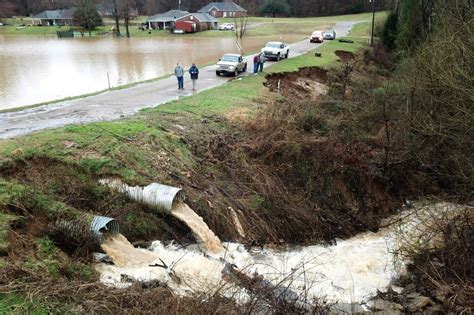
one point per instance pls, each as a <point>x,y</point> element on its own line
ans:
<point>88,227</point>
<point>156,196</point>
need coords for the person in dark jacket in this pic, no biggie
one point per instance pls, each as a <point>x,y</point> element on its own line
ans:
<point>256,62</point>
<point>194,72</point>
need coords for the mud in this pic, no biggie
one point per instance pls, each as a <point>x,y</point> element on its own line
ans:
<point>345,56</point>
<point>308,83</point>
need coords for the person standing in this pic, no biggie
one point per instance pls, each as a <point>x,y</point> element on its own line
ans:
<point>261,61</point>
<point>194,72</point>
<point>179,73</point>
<point>256,63</point>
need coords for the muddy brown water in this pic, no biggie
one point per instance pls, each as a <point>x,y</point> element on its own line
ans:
<point>41,69</point>
<point>123,253</point>
<point>203,234</point>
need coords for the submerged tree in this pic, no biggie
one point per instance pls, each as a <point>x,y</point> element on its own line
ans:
<point>274,7</point>
<point>87,16</point>
<point>125,8</point>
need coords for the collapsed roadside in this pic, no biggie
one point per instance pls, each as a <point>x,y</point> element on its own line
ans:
<point>304,162</point>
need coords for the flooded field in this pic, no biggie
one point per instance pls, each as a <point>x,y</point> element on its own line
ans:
<point>41,69</point>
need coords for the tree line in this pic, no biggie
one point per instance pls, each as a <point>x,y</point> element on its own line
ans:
<point>149,7</point>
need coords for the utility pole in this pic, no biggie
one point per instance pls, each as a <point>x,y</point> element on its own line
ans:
<point>179,5</point>
<point>373,23</point>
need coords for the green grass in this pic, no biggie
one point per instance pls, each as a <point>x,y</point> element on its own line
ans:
<point>5,222</point>
<point>297,29</point>
<point>217,100</point>
<point>13,304</point>
<point>319,19</point>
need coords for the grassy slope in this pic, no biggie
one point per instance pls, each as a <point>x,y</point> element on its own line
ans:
<point>103,148</point>
<point>227,97</point>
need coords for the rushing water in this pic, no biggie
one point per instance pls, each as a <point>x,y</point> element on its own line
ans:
<point>351,271</point>
<point>168,199</point>
<point>201,231</point>
<point>40,69</point>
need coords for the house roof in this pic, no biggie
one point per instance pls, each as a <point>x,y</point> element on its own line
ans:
<point>228,6</point>
<point>169,16</point>
<point>56,15</point>
<point>203,17</point>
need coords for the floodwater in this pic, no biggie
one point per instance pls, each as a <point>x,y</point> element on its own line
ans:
<point>40,69</point>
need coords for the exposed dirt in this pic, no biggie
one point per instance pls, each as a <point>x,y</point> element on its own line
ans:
<point>307,83</point>
<point>345,56</point>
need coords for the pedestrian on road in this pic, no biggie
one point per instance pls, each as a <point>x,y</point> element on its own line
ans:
<point>194,72</point>
<point>256,61</point>
<point>261,61</point>
<point>179,73</point>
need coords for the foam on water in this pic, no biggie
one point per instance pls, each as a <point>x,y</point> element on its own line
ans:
<point>350,271</point>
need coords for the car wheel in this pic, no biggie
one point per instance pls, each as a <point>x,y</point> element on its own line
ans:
<point>245,68</point>
<point>218,73</point>
<point>278,57</point>
<point>236,73</point>
<point>287,54</point>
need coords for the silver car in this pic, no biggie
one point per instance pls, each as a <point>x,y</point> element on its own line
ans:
<point>330,34</point>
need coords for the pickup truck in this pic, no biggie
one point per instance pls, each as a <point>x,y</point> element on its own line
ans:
<point>276,50</point>
<point>231,64</point>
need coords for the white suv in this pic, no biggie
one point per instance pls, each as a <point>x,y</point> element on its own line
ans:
<point>276,50</point>
<point>226,27</point>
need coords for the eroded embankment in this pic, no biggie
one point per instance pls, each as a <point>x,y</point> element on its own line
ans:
<point>299,170</point>
<point>309,83</point>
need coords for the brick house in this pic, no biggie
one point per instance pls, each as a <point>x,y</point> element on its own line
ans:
<point>204,21</point>
<point>164,21</point>
<point>224,9</point>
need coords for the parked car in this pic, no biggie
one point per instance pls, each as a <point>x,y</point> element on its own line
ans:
<point>316,37</point>
<point>276,50</point>
<point>227,27</point>
<point>231,64</point>
<point>330,34</point>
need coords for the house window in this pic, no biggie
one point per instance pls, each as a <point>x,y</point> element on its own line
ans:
<point>225,14</point>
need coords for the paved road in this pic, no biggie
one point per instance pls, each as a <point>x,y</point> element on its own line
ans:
<point>112,105</point>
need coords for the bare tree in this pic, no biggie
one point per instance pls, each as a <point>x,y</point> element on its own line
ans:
<point>125,8</point>
<point>241,24</point>
<point>116,14</point>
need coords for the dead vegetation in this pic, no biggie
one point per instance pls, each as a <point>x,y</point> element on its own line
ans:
<point>445,273</point>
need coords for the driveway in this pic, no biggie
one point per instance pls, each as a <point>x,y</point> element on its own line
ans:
<point>112,105</point>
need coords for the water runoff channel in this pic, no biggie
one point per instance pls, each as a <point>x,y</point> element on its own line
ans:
<point>350,272</point>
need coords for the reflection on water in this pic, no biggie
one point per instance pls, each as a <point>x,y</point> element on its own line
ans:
<point>39,69</point>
